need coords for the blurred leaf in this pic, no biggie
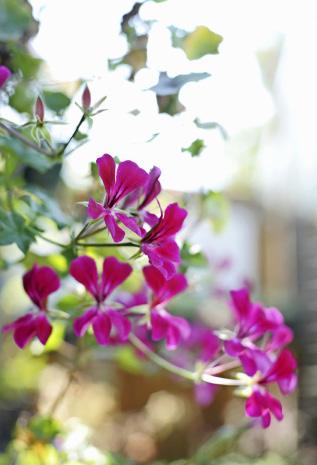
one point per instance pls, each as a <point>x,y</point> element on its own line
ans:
<point>221,443</point>
<point>15,19</point>
<point>13,229</point>
<point>200,42</point>
<point>136,58</point>
<point>80,136</point>
<point>216,209</point>
<point>195,147</point>
<point>44,428</point>
<point>190,258</point>
<point>169,86</point>
<point>22,100</point>
<point>56,101</point>
<point>127,360</point>
<point>24,62</point>
<point>27,155</point>
<point>45,205</point>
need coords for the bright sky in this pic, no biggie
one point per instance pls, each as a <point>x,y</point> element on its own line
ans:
<point>77,37</point>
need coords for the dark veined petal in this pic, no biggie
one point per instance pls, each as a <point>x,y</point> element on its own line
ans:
<point>114,273</point>
<point>129,177</point>
<point>107,171</point>
<point>84,270</point>
<point>152,187</point>
<point>24,332</point>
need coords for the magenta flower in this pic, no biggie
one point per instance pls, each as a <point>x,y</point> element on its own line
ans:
<point>101,317</point>
<point>38,283</point>
<point>280,371</point>
<point>159,243</point>
<point>5,74</point>
<point>253,321</point>
<point>262,405</point>
<point>119,183</point>
<point>164,325</point>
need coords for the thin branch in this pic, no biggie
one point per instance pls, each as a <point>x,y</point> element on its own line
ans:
<point>100,244</point>
<point>82,119</point>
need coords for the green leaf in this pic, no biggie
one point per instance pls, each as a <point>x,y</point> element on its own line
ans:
<point>195,147</point>
<point>15,19</point>
<point>56,101</point>
<point>24,62</point>
<point>216,209</point>
<point>44,428</point>
<point>127,360</point>
<point>44,205</point>
<point>170,86</point>
<point>13,229</point>
<point>192,258</point>
<point>27,155</point>
<point>200,42</point>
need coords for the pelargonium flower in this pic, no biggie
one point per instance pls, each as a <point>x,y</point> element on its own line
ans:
<point>119,182</point>
<point>5,74</point>
<point>38,283</point>
<point>280,371</point>
<point>262,405</point>
<point>164,325</point>
<point>253,321</point>
<point>101,317</point>
<point>159,242</point>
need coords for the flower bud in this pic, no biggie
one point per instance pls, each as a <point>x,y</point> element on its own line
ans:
<point>39,110</point>
<point>86,98</point>
<point>5,73</point>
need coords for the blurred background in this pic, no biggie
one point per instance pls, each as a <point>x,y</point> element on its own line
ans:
<point>221,95</point>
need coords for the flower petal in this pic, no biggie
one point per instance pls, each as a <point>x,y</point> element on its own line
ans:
<point>102,326</point>
<point>129,177</point>
<point>121,323</point>
<point>39,283</point>
<point>84,270</point>
<point>24,332</point>
<point>95,210</point>
<point>107,170</point>
<point>131,224</point>
<point>154,278</point>
<point>114,273</point>
<point>116,232</point>
<point>5,73</point>
<point>43,328</point>
<point>82,322</point>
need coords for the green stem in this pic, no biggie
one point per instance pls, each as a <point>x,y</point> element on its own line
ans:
<point>13,132</point>
<point>82,119</point>
<point>161,361</point>
<point>100,244</point>
<point>193,376</point>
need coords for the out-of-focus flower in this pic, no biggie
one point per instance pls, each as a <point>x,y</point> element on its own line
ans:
<point>5,74</point>
<point>262,405</point>
<point>119,182</point>
<point>280,371</point>
<point>101,317</point>
<point>38,283</point>
<point>252,322</point>
<point>164,325</point>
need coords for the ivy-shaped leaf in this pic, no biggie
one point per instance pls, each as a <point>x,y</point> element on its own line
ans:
<point>13,229</point>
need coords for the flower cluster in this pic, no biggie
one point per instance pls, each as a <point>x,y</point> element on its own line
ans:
<point>253,351</point>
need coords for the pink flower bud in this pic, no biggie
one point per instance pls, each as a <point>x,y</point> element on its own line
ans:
<point>39,109</point>
<point>86,98</point>
<point>5,73</point>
